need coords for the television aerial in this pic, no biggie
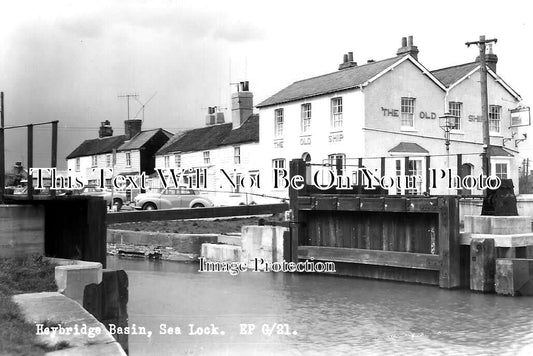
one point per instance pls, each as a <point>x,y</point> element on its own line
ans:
<point>143,105</point>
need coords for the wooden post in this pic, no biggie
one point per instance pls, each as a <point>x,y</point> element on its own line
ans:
<point>406,170</point>
<point>449,247</point>
<point>297,167</point>
<point>53,158</point>
<point>383,166</point>
<point>108,302</point>
<point>482,265</point>
<point>30,161</point>
<point>459,171</point>
<point>359,176</point>
<point>428,164</point>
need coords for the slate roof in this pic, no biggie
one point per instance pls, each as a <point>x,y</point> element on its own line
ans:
<point>248,132</point>
<point>210,137</point>
<point>340,80</point>
<point>450,75</point>
<point>408,147</point>
<point>97,146</point>
<point>141,139</point>
<point>104,145</point>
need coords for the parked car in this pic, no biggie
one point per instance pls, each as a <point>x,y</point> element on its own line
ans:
<point>119,197</point>
<point>171,198</point>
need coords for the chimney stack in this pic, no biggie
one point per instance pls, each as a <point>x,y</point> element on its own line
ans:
<point>210,117</point>
<point>408,48</point>
<point>105,129</point>
<point>347,61</point>
<point>490,58</point>
<point>242,104</point>
<point>132,127</point>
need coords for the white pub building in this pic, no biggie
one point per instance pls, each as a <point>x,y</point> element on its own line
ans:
<point>391,108</point>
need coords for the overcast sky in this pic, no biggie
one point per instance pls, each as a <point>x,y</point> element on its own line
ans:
<point>69,60</point>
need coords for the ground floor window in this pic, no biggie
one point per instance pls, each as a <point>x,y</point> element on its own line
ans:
<point>500,170</point>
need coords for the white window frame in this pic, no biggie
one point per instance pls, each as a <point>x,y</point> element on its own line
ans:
<point>336,113</point>
<point>278,122</point>
<point>167,161</point>
<point>407,112</point>
<point>108,160</point>
<point>207,157</point>
<point>77,164</point>
<point>502,174</point>
<point>332,161</point>
<point>305,126</point>
<point>495,119</point>
<point>455,108</point>
<point>128,159</point>
<point>177,160</point>
<point>237,154</point>
<point>278,163</point>
<point>94,161</point>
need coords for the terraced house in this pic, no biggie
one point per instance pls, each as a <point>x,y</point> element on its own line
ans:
<point>390,108</point>
<point>224,154</point>
<point>135,152</point>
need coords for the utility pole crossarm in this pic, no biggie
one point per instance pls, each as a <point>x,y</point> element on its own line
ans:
<point>468,44</point>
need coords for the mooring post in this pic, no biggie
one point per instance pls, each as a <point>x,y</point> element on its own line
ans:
<point>449,247</point>
<point>482,265</point>
<point>297,167</point>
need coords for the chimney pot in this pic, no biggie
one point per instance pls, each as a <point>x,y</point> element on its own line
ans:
<point>345,58</point>
<point>105,129</point>
<point>350,56</point>
<point>404,41</point>
<point>410,40</point>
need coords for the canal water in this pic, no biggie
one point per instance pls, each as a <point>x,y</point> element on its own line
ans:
<point>310,314</point>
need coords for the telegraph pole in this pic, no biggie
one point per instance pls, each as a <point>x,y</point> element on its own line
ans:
<point>482,44</point>
<point>128,96</point>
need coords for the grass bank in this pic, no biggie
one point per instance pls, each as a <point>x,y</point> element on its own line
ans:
<point>22,275</point>
<point>211,226</point>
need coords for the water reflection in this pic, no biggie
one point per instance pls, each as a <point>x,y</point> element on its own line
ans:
<point>331,315</point>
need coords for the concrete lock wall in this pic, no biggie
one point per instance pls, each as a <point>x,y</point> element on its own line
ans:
<point>21,230</point>
<point>264,242</point>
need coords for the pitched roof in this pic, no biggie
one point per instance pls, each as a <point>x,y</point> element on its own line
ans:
<point>450,75</point>
<point>408,147</point>
<point>247,132</point>
<point>348,78</point>
<point>141,139</point>
<point>210,137</point>
<point>97,146</point>
<point>498,151</point>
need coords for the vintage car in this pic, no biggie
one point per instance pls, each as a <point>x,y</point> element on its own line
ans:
<point>119,197</point>
<point>171,198</point>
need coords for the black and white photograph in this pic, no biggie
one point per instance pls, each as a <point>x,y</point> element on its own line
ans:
<point>201,177</point>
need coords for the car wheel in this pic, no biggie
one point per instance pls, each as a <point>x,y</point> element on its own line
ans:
<point>198,205</point>
<point>118,202</point>
<point>149,206</point>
